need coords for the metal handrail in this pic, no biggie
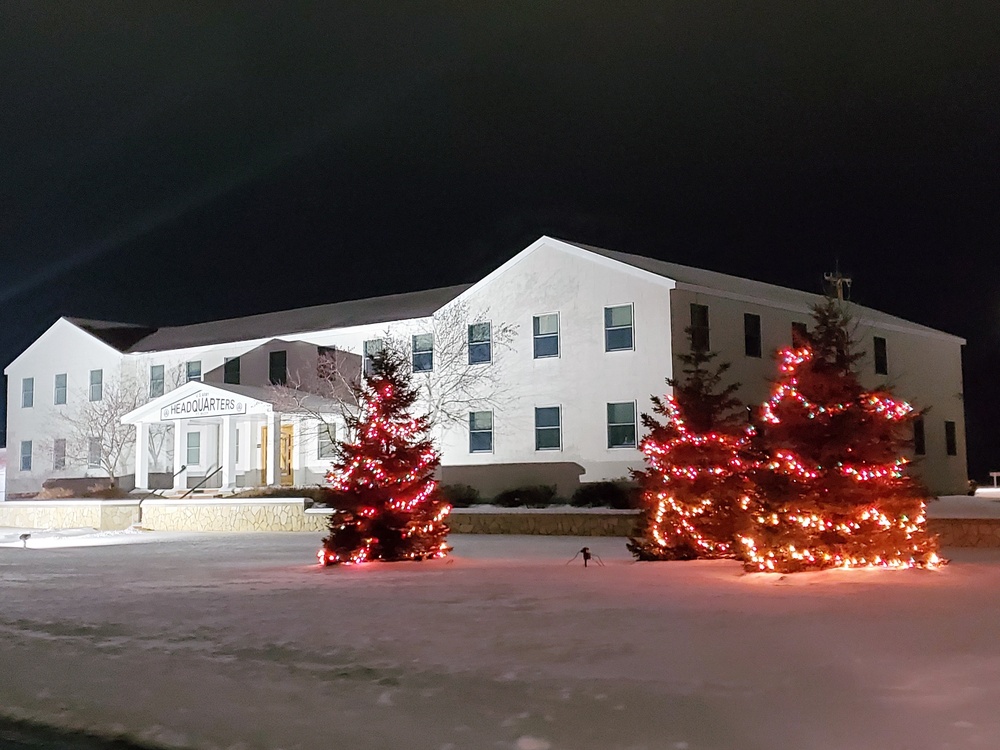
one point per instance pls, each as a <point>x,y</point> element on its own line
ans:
<point>153,492</point>
<point>204,479</point>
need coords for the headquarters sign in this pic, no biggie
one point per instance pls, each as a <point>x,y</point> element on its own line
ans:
<point>203,404</point>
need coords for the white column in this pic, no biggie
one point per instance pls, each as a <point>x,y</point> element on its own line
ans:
<point>180,454</point>
<point>273,478</point>
<point>142,456</point>
<point>227,452</point>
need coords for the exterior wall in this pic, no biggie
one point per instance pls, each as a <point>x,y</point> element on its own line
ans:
<point>584,377</point>
<point>63,348</point>
<point>924,369</point>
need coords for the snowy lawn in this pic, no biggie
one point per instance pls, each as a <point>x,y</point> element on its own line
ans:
<point>241,641</point>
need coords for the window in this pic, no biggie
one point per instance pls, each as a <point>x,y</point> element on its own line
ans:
<point>480,346</point>
<point>881,357</point>
<point>548,430</point>
<point>950,440</point>
<point>25,455</point>
<point>277,367</point>
<point>371,348</point>
<point>423,352</point>
<point>618,328</point>
<point>59,454</point>
<point>231,371</point>
<point>327,446</point>
<point>800,334</point>
<point>480,432</point>
<point>919,439</point>
<point>193,370</point>
<point>751,335</point>
<point>621,425</point>
<point>94,453</point>
<point>157,381</point>
<point>193,448</point>
<point>700,339</point>
<point>27,393</point>
<point>96,385</point>
<point>545,330</point>
<point>60,390</point>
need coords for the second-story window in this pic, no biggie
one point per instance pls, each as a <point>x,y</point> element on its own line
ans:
<point>700,331</point>
<point>193,370</point>
<point>27,393</point>
<point>881,356</point>
<point>480,343</point>
<point>370,349</point>
<point>157,381</point>
<point>800,334</point>
<point>751,335</point>
<point>96,385</point>
<point>919,437</point>
<point>545,335</point>
<point>231,371</point>
<point>423,352</point>
<point>618,328</point>
<point>950,439</point>
<point>59,397</point>
<point>277,367</point>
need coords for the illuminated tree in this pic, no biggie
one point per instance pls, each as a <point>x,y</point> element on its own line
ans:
<point>696,480</point>
<point>387,505</point>
<point>834,490</point>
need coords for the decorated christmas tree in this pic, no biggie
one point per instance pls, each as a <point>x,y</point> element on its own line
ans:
<point>695,481</point>
<point>834,489</point>
<point>387,506</point>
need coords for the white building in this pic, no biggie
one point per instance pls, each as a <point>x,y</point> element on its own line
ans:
<point>557,352</point>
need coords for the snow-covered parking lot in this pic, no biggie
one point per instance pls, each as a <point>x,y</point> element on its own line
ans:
<point>212,640</point>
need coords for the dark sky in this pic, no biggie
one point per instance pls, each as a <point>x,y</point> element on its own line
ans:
<point>169,163</point>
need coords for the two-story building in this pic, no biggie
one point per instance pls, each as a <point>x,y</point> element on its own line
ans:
<point>537,373</point>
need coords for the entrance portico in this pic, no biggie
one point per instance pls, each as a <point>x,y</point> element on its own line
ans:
<point>207,421</point>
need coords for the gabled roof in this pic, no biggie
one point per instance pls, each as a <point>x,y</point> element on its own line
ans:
<point>120,336</point>
<point>302,320</point>
<point>794,299</point>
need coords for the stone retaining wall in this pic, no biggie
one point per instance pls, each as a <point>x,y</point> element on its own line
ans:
<point>292,514</point>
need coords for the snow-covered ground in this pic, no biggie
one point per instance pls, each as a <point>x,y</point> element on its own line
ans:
<point>240,641</point>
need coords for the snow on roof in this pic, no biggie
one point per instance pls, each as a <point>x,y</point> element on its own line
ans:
<point>759,290</point>
<point>304,319</point>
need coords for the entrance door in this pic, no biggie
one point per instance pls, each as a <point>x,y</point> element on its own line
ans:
<point>285,448</point>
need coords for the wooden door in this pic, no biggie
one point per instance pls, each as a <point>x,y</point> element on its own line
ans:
<point>286,447</point>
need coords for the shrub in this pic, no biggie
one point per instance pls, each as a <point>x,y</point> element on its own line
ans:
<point>318,494</point>
<point>54,493</point>
<point>460,495</point>
<point>533,496</point>
<point>605,494</point>
<point>106,493</point>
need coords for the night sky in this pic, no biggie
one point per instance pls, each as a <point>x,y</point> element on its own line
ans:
<point>206,160</point>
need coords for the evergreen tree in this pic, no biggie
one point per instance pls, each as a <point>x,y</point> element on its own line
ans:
<point>834,490</point>
<point>695,481</point>
<point>387,505</point>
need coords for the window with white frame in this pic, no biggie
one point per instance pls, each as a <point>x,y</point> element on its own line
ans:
<point>59,454</point>
<point>423,352</point>
<point>618,334</point>
<point>370,349</point>
<point>59,396</point>
<point>194,449</point>
<point>327,443</point>
<point>480,343</point>
<point>192,370</point>
<point>157,381</point>
<point>548,428</point>
<point>480,432</point>
<point>621,425</point>
<point>94,453</point>
<point>96,385</point>
<point>25,455</point>
<point>27,393</point>
<point>545,335</point>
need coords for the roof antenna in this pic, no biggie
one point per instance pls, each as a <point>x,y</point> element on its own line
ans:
<point>838,281</point>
